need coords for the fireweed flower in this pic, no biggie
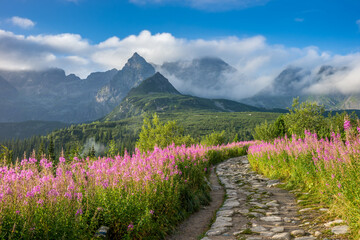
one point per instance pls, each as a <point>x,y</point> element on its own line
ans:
<point>130,227</point>
<point>79,212</point>
<point>347,124</point>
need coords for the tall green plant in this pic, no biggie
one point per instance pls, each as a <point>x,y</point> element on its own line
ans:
<point>214,139</point>
<point>155,133</point>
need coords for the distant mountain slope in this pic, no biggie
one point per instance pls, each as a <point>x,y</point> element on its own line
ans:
<point>156,94</point>
<point>28,129</point>
<point>295,82</point>
<point>51,95</point>
<point>6,89</point>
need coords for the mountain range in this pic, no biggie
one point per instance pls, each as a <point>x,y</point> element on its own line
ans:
<point>51,95</point>
<point>157,94</point>
<point>297,82</point>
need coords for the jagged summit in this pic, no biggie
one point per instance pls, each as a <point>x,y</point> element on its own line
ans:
<point>136,61</point>
<point>155,84</point>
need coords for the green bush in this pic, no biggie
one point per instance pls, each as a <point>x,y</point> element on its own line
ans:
<point>303,116</point>
<point>214,139</point>
<point>155,133</point>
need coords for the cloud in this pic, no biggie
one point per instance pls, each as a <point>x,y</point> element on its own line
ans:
<point>299,19</point>
<point>207,5</point>
<point>358,23</point>
<point>22,22</point>
<point>257,62</point>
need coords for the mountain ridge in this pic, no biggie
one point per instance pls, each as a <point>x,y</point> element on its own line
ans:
<point>168,99</point>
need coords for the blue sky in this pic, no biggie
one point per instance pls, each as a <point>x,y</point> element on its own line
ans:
<point>328,24</point>
<point>258,37</point>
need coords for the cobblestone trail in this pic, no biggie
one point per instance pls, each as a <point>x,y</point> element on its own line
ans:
<point>254,208</point>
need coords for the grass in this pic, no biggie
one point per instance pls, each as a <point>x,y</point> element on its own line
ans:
<point>327,170</point>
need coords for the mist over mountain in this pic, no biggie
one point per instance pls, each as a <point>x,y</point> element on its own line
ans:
<point>157,94</point>
<point>51,95</point>
<point>315,85</point>
<point>203,77</point>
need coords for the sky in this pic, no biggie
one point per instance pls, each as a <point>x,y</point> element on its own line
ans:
<point>258,37</point>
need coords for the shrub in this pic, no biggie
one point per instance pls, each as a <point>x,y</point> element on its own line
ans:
<point>214,139</point>
<point>155,133</point>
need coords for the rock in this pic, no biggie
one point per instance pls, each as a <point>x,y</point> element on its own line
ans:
<point>305,209</point>
<point>323,209</point>
<point>231,203</point>
<point>254,238</point>
<point>258,229</point>
<point>225,213</point>
<point>219,223</point>
<point>317,234</point>
<point>272,183</point>
<point>273,203</point>
<point>243,211</point>
<point>259,210</point>
<point>267,234</point>
<point>272,213</point>
<point>216,232</point>
<point>205,238</point>
<point>287,220</point>
<point>282,236</point>
<point>305,238</point>
<point>298,233</point>
<point>259,205</point>
<point>278,229</point>
<point>101,232</point>
<point>340,229</point>
<point>255,214</point>
<point>237,233</point>
<point>271,219</point>
<point>329,224</point>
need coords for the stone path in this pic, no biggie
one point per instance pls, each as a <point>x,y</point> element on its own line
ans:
<point>254,208</point>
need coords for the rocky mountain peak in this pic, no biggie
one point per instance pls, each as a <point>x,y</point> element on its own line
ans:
<point>155,84</point>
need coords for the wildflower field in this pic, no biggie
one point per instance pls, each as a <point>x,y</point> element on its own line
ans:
<point>329,169</point>
<point>139,196</point>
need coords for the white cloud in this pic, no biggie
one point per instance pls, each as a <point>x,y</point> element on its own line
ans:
<point>22,22</point>
<point>358,23</point>
<point>299,19</point>
<point>257,62</point>
<point>208,5</point>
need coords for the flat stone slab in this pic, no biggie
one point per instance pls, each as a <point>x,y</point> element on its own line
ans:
<point>298,233</point>
<point>216,232</point>
<point>271,219</point>
<point>305,209</point>
<point>305,238</point>
<point>340,229</point>
<point>259,205</point>
<point>329,224</point>
<point>278,229</point>
<point>225,213</point>
<point>282,236</point>
<point>221,224</point>
<point>267,234</point>
<point>231,203</point>
<point>258,229</point>
<point>254,238</point>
